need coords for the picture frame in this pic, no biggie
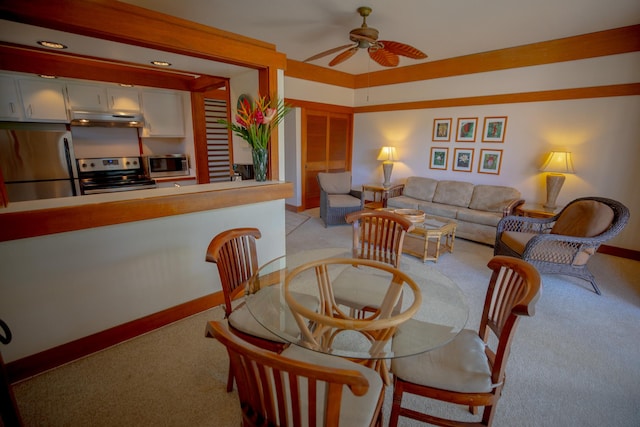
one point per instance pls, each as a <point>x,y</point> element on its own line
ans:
<point>441,130</point>
<point>494,129</point>
<point>463,159</point>
<point>439,158</point>
<point>490,161</point>
<point>466,129</point>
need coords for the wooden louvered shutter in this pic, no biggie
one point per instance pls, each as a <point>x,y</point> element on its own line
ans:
<point>218,144</point>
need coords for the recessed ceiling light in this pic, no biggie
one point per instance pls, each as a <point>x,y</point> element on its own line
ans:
<point>125,85</point>
<point>52,45</point>
<point>47,76</point>
<point>161,63</point>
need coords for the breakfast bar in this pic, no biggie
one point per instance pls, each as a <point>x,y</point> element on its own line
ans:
<point>71,268</point>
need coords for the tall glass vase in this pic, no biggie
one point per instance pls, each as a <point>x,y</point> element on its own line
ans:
<point>260,156</point>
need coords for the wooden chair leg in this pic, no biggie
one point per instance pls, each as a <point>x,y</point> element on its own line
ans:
<point>395,406</point>
<point>230,380</point>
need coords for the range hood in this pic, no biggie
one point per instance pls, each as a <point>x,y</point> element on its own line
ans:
<point>104,119</point>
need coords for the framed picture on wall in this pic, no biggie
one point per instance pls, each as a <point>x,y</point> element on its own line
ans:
<point>439,158</point>
<point>490,161</point>
<point>463,159</point>
<point>441,130</point>
<point>466,131</point>
<point>494,129</point>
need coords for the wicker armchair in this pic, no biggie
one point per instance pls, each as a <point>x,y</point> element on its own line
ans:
<point>564,243</point>
<point>337,198</point>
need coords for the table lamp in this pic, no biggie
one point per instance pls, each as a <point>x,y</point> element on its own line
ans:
<point>388,155</point>
<point>557,164</point>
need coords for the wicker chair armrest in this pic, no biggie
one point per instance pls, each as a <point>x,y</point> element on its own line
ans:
<point>357,193</point>
<point>510,207</point>
<point>524,224</point>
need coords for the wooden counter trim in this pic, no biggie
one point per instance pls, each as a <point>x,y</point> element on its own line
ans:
<point>21,225</point>
<point>48,359</point>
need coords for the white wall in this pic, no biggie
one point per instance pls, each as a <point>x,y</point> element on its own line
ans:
<point>58,288</point>
<point>599,131</point>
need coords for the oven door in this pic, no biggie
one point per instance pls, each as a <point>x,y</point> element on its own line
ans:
<point>168,165</point>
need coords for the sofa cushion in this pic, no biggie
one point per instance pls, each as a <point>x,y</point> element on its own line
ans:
<point>420,188</point>
<point>439,209</point>
<point>403,202</point>
<point>335,182</point>
<point>492,198</point>
<point>342,201</point>
<point>456,193</point>
<point>479,217</point>
<point>585,218</point>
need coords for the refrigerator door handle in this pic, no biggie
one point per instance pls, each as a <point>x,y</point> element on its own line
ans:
<point>67,155</point>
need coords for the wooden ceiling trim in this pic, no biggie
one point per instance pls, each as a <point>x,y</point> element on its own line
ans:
<point>122,23</point>
<point>31,60</point>
<point>304,71</point>
<point>630,89</point>
<point>602,43</point>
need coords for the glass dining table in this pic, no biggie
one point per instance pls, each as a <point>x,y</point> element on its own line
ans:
<point>427,309</point>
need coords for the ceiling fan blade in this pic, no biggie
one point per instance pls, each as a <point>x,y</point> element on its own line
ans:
<point>402,49</point>
<point>343,56</point>
<point>327,52</point>
<point>384,57</point>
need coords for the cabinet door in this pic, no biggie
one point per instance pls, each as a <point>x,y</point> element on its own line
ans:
<point>10,108</point>
<point>86,97</point>
<point>163,114</point>
<point>43,100</point>
<point>123,99</point>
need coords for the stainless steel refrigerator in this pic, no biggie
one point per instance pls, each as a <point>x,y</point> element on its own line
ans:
<point>37,161</point>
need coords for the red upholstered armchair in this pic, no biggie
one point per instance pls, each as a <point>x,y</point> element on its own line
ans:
<point>564,243</point>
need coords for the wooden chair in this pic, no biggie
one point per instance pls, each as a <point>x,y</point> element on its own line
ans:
<point>300,387</point>
<point>470,370</point>
<point>564,243</point>
<point>320,327</point>
<point>234,252</point>
<point>337,198</point>
<point>377,236</point>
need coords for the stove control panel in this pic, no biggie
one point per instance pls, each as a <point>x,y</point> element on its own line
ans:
<point>108,164</point>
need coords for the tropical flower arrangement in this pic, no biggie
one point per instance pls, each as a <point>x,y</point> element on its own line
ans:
<point>255,119</point>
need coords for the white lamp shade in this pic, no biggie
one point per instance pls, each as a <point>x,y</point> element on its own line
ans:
<point>388,154</point>
<point>558,161</point>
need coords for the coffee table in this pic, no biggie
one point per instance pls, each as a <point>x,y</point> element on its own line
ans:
<point>425,239</point>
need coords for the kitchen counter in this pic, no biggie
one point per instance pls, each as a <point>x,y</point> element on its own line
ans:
<point>49,216</point>
<point>79,272</point>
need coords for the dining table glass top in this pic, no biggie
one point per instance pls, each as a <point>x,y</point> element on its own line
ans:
<point>419,308</point>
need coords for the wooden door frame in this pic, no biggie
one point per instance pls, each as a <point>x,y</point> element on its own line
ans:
<point>306,106</point>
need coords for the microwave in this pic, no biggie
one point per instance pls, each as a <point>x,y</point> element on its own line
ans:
<point>167,165</point>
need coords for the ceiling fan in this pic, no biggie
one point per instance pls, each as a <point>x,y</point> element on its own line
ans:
<point>384,52</point>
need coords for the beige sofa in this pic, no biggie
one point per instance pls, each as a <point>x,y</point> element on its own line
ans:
<point>477,209</point>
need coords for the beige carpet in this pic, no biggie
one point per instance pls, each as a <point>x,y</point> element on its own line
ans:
<point>575,363</point>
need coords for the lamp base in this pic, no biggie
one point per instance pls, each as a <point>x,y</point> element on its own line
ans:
<point>554,184</point>
<point>387,167</point>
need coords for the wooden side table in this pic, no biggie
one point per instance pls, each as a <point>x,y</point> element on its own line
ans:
<point>536,210</point>
<point>381,194</point>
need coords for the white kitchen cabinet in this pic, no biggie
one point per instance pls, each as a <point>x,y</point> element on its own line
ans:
<point>43,100</point>
<point>90,97</point>
<point>163,113</point>
<point>10,106</point>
